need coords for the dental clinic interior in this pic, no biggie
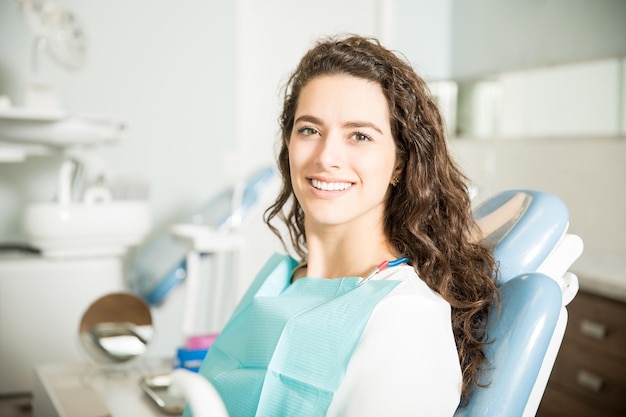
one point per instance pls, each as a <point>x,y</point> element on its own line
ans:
<point>137,156</point>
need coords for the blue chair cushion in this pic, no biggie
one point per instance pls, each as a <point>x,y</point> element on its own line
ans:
<point>531,305</point>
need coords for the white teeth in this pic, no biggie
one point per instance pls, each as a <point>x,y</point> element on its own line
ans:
<point>330,186</point>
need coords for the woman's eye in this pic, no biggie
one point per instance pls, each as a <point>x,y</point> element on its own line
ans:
<point>361,137</point>
<point>307,131</point>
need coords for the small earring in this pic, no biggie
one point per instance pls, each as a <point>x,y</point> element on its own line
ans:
<point>394,181</point>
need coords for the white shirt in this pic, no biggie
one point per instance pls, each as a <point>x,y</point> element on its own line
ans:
<point>406,363</point>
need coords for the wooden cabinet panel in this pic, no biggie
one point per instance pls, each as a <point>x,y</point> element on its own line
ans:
<point>589,375</point>
<point>556,403</point>
<point>597,323</point>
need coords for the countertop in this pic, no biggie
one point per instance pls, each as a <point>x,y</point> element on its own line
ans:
<point>602,274</point>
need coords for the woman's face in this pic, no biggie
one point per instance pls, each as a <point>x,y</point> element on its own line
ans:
<point>341,151</point>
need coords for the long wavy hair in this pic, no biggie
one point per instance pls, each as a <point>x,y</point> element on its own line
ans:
<point>428,214</point>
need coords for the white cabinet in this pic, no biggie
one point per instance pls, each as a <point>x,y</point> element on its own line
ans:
<point>41,305</point>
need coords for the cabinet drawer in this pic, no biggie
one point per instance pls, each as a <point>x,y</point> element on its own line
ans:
<point>590,377</point>
<point>597,323</point>
<point>556,403</point>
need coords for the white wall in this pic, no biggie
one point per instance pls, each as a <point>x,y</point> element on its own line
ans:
<point>424,36</point>
<point>490,36</point>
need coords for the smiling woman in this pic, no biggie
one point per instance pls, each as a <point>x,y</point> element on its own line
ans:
<point>384,311</point>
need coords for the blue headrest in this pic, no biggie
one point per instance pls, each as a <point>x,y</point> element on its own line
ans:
<point>522,227</point>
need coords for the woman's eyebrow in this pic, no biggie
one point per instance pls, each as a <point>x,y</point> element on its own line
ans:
<point>309,119</point>
<point>357,124</point>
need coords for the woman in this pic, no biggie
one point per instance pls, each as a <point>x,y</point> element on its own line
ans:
<point>367,181</point>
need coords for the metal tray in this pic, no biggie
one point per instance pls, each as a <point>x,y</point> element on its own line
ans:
<point>157,388</point>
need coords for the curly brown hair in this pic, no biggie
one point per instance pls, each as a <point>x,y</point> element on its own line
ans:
<point>428,215</point>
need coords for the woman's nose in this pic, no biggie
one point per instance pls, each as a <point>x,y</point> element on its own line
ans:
<point>330,152</point>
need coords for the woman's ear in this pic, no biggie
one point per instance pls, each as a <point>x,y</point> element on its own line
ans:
<point>395,176</point>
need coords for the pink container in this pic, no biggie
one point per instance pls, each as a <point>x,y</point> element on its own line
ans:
<point>203,341</point>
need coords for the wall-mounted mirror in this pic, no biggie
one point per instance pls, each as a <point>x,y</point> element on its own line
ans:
<point>570,100</point>
<point>116,328</point>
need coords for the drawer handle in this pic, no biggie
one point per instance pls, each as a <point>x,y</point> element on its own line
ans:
<point>589,380</point>
<point>593,329</point>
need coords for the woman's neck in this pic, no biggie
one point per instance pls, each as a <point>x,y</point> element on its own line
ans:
<point>336,252</point>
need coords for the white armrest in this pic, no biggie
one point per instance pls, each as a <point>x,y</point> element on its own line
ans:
<point>556,265</point>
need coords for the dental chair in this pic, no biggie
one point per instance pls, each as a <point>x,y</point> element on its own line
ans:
<point>527,231</point>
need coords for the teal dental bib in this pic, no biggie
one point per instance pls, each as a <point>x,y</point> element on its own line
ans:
<point>286,348</point>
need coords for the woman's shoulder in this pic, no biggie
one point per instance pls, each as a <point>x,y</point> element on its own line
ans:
<point>413,304</point>
<point>411,285</point>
